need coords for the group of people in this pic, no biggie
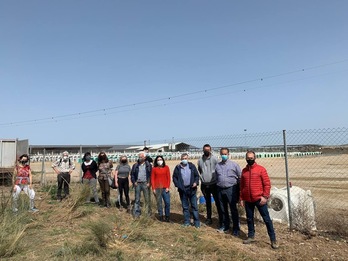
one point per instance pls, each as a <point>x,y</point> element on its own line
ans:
<point>222,180</point>
<point>229,185</point>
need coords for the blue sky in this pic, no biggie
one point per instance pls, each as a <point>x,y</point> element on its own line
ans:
<point>128,71</point>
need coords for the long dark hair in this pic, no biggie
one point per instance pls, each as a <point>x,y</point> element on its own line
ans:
<point>155,163</point>
<point>102,159</point>
<point>24,156</point>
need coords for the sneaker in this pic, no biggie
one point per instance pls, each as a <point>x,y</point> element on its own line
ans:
<point>235,233</point>
<point>222,230</point>
<point>33,210</point>
<point>274,245</point>
<point>166,219</point>
<point>186,225</point>
<point>197,224</point>
<point>208,221</point>
<point>249,240</point>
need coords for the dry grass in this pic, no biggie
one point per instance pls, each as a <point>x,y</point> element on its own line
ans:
<point>87,232</point>
<point>12,228</point>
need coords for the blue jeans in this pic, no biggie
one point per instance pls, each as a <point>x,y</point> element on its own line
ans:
<point>228,198</point>
<point>263,210</point>
<point>142,186</point>
<point>162,194</point>
<point>189,197</point>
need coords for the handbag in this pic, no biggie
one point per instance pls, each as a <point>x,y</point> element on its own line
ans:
<point>112,182</point>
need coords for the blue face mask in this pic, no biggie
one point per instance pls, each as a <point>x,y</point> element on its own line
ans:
<point>184,162</point>
<point>224,157</point>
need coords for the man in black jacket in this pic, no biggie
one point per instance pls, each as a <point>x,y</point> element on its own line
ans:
<point>186,179</point>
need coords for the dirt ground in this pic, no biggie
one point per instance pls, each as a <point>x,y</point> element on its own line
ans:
<point>57,227</point>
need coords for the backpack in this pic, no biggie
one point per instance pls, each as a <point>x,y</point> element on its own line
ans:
<point>60,162</point>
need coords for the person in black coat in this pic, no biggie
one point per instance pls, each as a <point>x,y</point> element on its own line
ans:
<point>89,176</point>
<point>186,179</point>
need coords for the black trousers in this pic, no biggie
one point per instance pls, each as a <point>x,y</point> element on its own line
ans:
<point>123,186</point>
<point>207,191</point>
<point>63,182</point>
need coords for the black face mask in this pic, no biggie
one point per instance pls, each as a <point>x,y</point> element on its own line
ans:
<point>124,161</point>
<point>250,162</point>
<point>24,162</point>
<point>206,153</point>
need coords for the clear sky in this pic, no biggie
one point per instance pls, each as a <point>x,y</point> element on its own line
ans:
<point>114,72</point>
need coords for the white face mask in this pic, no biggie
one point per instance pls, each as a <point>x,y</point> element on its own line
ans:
<point>65,158</point>
<point>159,162</point>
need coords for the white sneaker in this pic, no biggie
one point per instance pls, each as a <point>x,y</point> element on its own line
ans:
<point>33,210</point>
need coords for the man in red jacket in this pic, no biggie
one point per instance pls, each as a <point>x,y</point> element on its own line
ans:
<point>255,188</point>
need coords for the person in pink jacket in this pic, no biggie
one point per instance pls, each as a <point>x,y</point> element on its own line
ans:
<point>255,187</point>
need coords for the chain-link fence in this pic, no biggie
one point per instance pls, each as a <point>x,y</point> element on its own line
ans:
<point>309,165</point>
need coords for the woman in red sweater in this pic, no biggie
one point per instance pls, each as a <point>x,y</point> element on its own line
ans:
<point>160,182</point>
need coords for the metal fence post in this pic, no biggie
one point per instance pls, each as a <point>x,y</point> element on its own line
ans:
<point>287,179</point>
<point>81,161</point>
<point>43,170</point>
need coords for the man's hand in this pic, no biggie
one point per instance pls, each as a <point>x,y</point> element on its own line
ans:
<point>167,190</point>
<point>263,201</point>
<point>194,185</point>
<point>242,203</point>
<point>14,188</point>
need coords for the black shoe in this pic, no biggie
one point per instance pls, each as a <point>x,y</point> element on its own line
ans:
<point>208,221</point>
<point>167,219</point>
<point>235,233</point>
<point>160,218</point>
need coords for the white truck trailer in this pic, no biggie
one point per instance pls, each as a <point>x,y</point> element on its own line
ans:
<point>10,150</point>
